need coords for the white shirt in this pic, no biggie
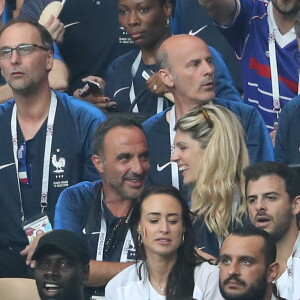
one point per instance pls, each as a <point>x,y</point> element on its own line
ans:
<point>128,286</point>
<point>288,284</point>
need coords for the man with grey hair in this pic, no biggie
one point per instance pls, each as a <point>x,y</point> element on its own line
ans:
<point>102,209</point>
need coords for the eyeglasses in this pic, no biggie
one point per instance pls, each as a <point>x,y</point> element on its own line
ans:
<point>22,50</point>
<point>207,118</point>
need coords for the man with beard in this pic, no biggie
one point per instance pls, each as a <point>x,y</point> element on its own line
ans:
<point>273,200</point>
<point>102,209</point>
<point>62,265</point>
<point>247,265</point>
<point>263,37</point>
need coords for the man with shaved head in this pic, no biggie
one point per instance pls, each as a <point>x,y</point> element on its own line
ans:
<point>186,69</point>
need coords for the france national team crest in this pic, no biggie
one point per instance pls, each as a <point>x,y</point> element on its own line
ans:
<point>59,164</point>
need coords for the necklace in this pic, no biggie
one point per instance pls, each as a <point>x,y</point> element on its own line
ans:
<point>161,289</point>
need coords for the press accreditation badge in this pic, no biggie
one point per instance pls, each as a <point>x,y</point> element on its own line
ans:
<point>36,225</point>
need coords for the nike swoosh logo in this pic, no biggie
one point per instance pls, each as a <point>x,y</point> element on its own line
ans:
<point>196,32</point>
<point>5,166</point>
<point>160,168</point>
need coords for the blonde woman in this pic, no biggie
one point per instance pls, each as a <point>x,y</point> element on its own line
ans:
<point>211,153</point>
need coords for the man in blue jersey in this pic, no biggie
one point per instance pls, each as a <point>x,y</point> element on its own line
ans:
<point>287,145</point>
<point>58,76</point>
<point>45,139</point>
<point>263,36</point>
<point>187,70</point>
<point>102,209</point>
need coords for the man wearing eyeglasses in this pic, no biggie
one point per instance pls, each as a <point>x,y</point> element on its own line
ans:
<point>186,68</point>
<point>58,76</point>
<point>45,139</point>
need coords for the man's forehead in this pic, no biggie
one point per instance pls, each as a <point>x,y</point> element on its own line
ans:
<point>54,253</point>
<point>19,33</point>
<point>120,138</point>
<point>241,246</point>
<point>265,184</point>
<point>188,51</point>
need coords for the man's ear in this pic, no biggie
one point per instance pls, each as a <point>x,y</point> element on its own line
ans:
<point>98,163</point>
<point>2,5</point>
<point>296,205</point>
<point>166,77</point>
<point>272,272</point>
<point>49,63</point>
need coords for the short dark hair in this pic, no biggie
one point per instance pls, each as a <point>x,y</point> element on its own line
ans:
<point>269,248</point>
<point>104,127</point>
<point>45,36</point>
<point>267,168</point>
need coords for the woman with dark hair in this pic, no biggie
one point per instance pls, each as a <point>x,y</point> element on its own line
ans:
<point>169,267</point>
<point>132,80</point>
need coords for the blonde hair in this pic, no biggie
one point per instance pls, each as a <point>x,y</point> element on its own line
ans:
<point>219,174</point>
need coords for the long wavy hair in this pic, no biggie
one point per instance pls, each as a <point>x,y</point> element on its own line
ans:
<point>219,175</point>
<point>180,284</point>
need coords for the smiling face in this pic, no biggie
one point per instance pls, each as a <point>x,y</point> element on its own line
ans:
<point>144,20</point>
<point>243,271</point>
<point>161,226</point>
<point>188,155</point>
<point>59,277</point>
<point>125,164</point>
<point>25,73</point>
<point>269,205</point>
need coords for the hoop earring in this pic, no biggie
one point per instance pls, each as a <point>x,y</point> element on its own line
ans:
<point>182,241</point>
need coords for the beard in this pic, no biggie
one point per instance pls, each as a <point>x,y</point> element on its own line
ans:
<point>285,9</point>
<point>282,226</point>
<point>255,291</point>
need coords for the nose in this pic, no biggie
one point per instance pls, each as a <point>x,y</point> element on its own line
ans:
<point>233,268</point>
<point>260,204</point>
<point>137,166</point>
<point>133,19</point>
<point>208,67</point>
<point>174,155</point>
<point>164,226</point>
<point>52,270</point>
<point>15,57</point>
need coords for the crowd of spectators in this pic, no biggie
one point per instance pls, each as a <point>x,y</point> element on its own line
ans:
<point>163,134</point>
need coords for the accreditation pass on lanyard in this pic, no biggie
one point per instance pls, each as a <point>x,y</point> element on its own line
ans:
<point>273,64</point>
<point>102,238</point>
<point>47,152</point>
<point>172,132</point>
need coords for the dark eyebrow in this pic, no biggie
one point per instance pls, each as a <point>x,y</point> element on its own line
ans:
<point>123,155</point>
<point>158,214</point>
<point>264,194</point>
<point>271,193</point>
<point>247,257</point>
<point>224,256</point>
